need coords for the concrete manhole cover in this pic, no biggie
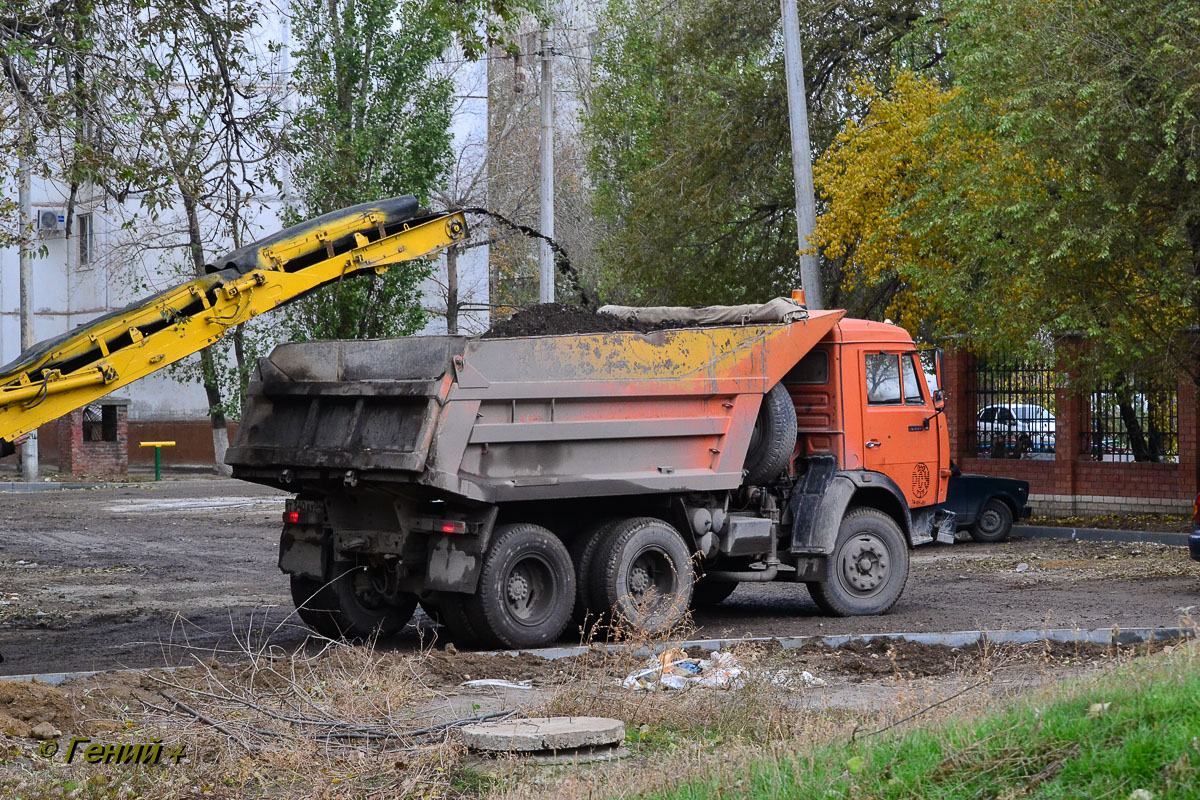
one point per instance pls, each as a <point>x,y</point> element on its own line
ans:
<point>560,737</point>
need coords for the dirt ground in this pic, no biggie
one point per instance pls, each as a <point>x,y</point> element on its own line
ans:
<point>146,575</point>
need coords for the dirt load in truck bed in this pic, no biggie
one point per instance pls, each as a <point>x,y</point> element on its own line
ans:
<point>550,319</point>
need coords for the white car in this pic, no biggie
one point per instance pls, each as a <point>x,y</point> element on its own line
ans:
<point>1025,427</point>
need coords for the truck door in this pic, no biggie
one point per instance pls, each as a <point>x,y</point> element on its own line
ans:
<point>900,433</point>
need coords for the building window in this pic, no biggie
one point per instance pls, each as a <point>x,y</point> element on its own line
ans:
<point>99,423</point>
<point>87,240</point>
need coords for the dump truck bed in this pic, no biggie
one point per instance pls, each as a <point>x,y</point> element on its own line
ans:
<point>500,420</point>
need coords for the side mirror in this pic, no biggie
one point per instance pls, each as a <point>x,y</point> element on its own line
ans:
<point>939,399</point>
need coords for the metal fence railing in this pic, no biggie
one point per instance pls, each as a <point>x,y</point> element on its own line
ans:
<point>1015,415</point>
<point>1132,423</point>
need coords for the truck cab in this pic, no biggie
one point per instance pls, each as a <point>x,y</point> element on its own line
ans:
<point>867,396</point>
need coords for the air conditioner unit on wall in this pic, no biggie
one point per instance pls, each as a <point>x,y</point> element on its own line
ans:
<point>50,221</point>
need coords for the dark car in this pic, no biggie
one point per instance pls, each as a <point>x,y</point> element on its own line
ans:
<point>985,506</point>
<point>1194,538</point>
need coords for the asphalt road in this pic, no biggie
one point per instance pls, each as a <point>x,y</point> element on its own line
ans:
<point>151,574</point>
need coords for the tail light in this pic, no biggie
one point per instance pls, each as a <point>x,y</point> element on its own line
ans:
<point>1196,512</point>
<point>291,517</point>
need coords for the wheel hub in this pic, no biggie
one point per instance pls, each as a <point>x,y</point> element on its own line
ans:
<point>639,580</point>
<point>518,588</point>
<point>865,564</point>
<point>989,520</point>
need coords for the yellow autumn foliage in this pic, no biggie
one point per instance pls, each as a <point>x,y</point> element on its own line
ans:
<point>865,181</point>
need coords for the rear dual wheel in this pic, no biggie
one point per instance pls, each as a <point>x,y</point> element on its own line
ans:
<point>641,575</point>
<point>706,593</point>
<point>526,589</point>
<point>350,605</point>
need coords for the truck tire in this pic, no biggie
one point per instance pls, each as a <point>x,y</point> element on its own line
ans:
<point>706,594</point>
<point>994,524</point>
<point>774,438</point>
<point>526,589</point>
<point>348,607</point>
<point>868,568</point>
<point>642,575</point>
<point>449,610</point>
<point>583,554</point>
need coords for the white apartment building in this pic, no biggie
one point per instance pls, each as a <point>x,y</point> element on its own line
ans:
<point>114,258</point>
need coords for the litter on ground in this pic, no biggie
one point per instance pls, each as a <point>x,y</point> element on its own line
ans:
<point>673,669</point>
<point>496,683</point>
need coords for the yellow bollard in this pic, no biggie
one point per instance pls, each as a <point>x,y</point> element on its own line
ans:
<point>158,446</point>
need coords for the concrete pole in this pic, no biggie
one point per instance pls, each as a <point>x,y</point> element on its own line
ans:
<point>806,217</point>
<point>546,223</point>
<point>29,449</point>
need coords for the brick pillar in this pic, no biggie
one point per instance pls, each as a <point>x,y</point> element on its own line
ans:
<point>1067,438</point>
<point>1189,437</point>
<point>78,455</point>
<point>70,441</point>
<point>1069,423</point>
<point>958,374</point>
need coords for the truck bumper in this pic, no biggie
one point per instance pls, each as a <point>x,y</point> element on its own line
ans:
<point>1194,545</point>
<point>1026,513</point>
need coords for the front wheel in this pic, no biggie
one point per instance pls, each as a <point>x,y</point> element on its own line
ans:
<point>868,568</point>
<point>994,524</point>
<point>350,605</point>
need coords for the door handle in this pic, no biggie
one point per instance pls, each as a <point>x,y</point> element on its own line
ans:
<point>873,443</point>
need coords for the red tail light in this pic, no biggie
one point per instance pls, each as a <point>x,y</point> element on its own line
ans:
<point>291,517</point>
<point>453,526</point>
<point>1196,512</point>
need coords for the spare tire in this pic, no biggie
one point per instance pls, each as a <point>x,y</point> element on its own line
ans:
<point>774,438</point>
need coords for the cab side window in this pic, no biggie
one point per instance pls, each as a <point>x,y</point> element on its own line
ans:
<point>883,379</point>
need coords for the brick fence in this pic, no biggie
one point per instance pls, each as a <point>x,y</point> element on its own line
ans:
<point>1072,482</point>
<point>193,443</point>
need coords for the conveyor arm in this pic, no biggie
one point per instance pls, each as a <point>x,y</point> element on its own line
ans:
<point>56,376</point>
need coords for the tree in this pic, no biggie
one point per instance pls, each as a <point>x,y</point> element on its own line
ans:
<point>868,181</point>
<point>1087,216</point>
<point>162,107</point>
<point>374,122</point>
<point>689,138</point>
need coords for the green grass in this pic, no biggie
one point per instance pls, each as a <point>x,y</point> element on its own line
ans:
<point>1064,745</point>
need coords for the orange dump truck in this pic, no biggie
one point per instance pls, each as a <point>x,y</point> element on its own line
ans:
<point>512,485</point>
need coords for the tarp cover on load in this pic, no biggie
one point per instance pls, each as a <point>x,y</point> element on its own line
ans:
<point>779,310</point>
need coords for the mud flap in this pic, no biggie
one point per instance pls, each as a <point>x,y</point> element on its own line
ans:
<point>817,511</point>
<point>302,551</point>
<point>454,563</point>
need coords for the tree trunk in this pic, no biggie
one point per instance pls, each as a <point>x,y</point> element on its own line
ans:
<point>1133,426</point>
<point>208,366</point>
<point>239,354</point>
<point>452,291</point>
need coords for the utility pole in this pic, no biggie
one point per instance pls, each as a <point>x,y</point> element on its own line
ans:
<point>29,449</point>
<point>546,223</point>
<point>806,216</point>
